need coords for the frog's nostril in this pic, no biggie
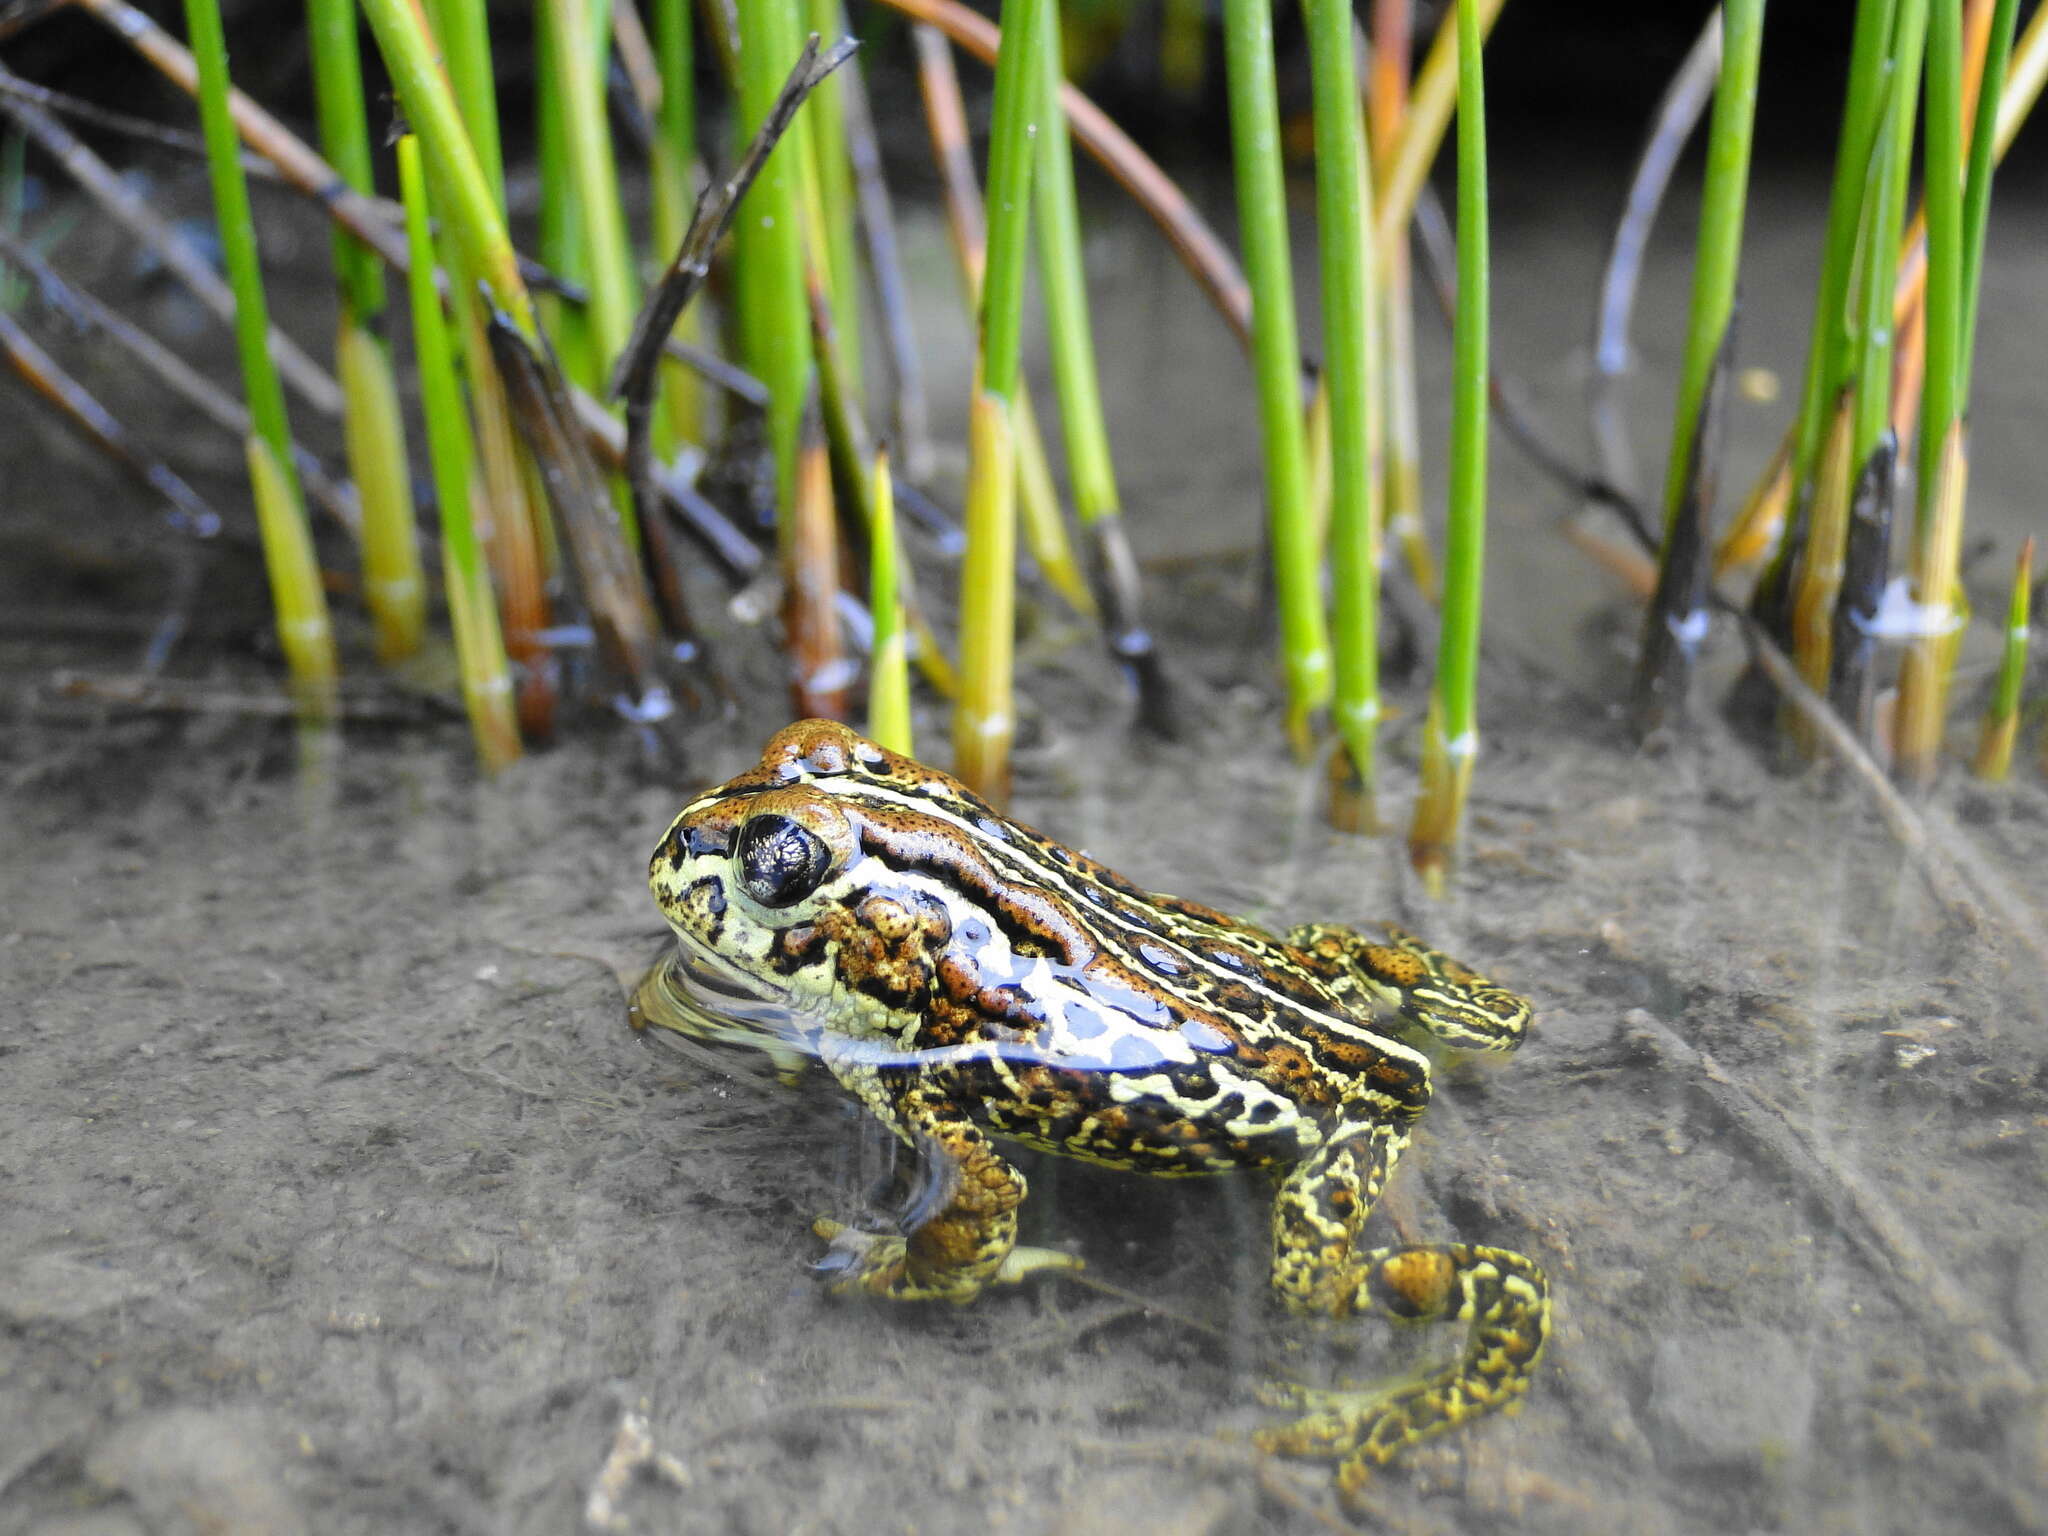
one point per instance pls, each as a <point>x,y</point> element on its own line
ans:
<point>701,840</point>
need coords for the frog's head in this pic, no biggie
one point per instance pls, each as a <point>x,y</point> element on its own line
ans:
<point>821,887</point>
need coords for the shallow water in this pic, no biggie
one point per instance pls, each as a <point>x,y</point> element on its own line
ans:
<point>338,1196</point>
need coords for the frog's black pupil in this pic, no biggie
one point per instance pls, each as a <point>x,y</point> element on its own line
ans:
<point>780,861</point>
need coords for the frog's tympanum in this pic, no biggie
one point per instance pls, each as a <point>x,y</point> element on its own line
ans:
<point>969,979</point>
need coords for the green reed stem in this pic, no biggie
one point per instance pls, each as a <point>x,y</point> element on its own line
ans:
<point>1276,357</point>
<point>1942,136</point>
<point>889,656</point>
<point>374,428</point>
<point>2002,716</point>
<point>1831,348</point>
<point>468,205</point>
<point>774,329</point>
<point>674,158</point>
<point>1018,108</point>
<point>580,54</point>
<point>1719,253</point>
<point>1450,737</point>
<point>984,715</point>
<point>345,140</point>
<point>563,249</point>
<point>1883,207</point>
<point>1063,284</point>
<point>1351,371</point>
<point>826,121</point>
<point>1457,667</point>
<point>462,29</point>
<point>1977,189</point>
<point>472,615</point>
<point>304,629</point>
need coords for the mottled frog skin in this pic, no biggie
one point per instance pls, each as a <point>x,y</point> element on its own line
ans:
<point>968,978</point>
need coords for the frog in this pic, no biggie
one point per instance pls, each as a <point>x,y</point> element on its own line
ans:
<point>972,982</point>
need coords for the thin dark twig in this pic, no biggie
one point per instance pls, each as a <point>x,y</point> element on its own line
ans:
<point>360,214</point>
<point>81,309</point>
<point>728,376</point>
<point>633,375</point>
<point>616,596</point>
<point>146,129</point>
<point>1678,112</point>
<point>189,512</point>
<point>313,383</point>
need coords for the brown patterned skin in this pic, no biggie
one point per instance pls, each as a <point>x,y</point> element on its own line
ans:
<point>968,978</point>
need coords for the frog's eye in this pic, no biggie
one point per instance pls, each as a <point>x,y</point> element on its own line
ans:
<point>780,860</point>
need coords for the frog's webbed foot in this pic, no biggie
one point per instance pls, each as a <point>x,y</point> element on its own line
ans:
<point>1502,1297</point>
<point>878,1264</point>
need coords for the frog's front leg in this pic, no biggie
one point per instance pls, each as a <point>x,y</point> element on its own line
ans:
<point>1502,1297</point>
<point>1426,987</point>
<point>968,1243</point>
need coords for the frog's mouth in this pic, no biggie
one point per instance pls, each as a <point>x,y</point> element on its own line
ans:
<point>701,994</point>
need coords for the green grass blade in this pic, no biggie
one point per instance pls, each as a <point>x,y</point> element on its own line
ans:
<point>303,625</point>
<point>1262,214</point>
<point>889,663</point>
<point>1719,254</point>
<point>774,321</point>
<point>1351,372</point>
<point>472,615</point>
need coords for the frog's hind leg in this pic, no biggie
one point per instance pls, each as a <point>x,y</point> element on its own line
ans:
<point>1425,986</point>
<point>967,1241</point>
<point>1501,1297</point>
<point>1504,1300</point>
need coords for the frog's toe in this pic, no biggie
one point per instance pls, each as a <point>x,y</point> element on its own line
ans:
<point>1022,1263</point>
<point>857,1260</point>
<point>1361,1428</point>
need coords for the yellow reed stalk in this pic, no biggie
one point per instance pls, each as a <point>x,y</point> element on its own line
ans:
<point>1439,801</point>
<point>2002,716</point>
<point>1918,717</point>
<point>1817,579</point>
<point>889,657</point>
<point>303,629</point>
<point>1753,532</point>
<point>984,715</point>
<point>393,588</point>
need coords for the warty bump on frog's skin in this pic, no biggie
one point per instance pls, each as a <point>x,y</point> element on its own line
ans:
<point>962,974</point>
